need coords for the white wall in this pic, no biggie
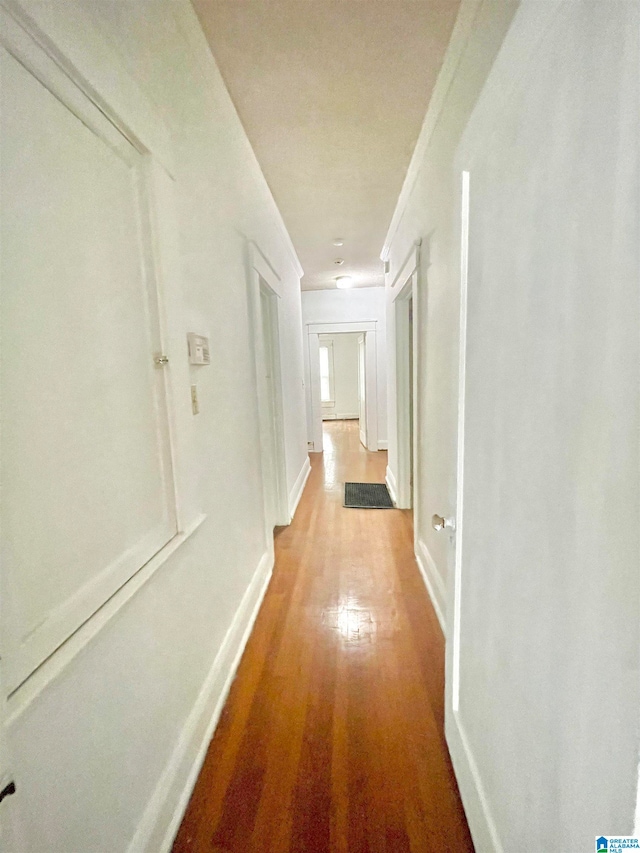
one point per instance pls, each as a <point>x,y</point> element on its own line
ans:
<point>426,212</point>
<point>550,592</point>
<point>550,588</point>
<point>357,304</point>
<point>103,742</point>
<point>345,376</point>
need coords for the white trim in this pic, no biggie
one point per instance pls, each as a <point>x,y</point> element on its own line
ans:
<point>298,487</point>
<point>342,326</point>
<point>406,284</point>
<point>371,381</point>
<point>260,263</point>
<point>462,30</point>
<point>55,665</point>
<point>79,49</point>
<point>313,346</point>
<point>383,444</point>
<point>433,581</point>
<point>455,598</point>
<point>368,328</point>
<point>474,799</point>
<point>263,277</point>
<point>341,416</point>
<point>85,82</point>
<point>409,266</point>
<point>164,811</point>
<point>390,480</point>
<point>476,805</point>
<point>168,270</point>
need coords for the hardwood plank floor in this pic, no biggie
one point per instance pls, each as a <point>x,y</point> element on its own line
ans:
<point>332,738</point>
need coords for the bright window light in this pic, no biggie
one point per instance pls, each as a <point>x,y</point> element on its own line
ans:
<point>326,395</point>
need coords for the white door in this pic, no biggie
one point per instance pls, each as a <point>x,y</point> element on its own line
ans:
<point>87,488</point>
<point>362,388</point>
<point>543,629</point>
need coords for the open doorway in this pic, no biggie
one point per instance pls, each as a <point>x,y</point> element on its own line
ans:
<point>343,375</point>
<point>406,348</point>
<point>270,411</point>
<point>342,378</point>
<point>264,305</point>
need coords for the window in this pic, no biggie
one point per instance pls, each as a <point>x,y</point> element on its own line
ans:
<point>326,373</point>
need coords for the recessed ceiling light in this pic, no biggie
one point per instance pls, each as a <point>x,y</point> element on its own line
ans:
<point>338,262</point>
<point>338,241</point>
<point>344,281</point>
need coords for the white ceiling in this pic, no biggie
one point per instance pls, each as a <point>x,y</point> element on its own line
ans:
<point>332,95</point>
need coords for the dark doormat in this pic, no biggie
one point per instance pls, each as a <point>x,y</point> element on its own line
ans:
<point>367,496</point>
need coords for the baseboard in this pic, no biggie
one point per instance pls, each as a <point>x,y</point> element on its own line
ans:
<point>390,480</point>
<point>164,811</point>
<point>298,487</point>
<point>476,805</point>
<point>433,581</point>
<point>339,416</point>
<point>383,444</point>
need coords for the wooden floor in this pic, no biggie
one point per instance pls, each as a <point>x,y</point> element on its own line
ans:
<point>332,737</point>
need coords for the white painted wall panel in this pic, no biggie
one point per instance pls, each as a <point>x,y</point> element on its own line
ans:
<point>550,592</point>
<point>549,669</point>
<point>84,418</point>
<point>428,213</point>
<point>102,749</point>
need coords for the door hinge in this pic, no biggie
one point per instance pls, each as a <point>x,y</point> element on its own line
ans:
<point>161,360</point>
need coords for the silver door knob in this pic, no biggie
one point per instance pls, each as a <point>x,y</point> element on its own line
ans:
<point>438,522</point>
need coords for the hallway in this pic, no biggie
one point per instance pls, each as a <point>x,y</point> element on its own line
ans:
<point>332,737</point>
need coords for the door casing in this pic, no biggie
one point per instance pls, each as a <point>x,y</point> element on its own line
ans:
<point>264,305</point>
<point>368,328</point>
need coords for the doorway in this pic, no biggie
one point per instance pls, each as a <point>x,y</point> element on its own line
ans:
<point>272,457</point>
<point>342,364</point>
<point>406,349</point>
<point>264,302</point>
<point>363,335</point>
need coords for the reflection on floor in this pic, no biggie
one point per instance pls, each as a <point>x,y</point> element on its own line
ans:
<point>332,737</point>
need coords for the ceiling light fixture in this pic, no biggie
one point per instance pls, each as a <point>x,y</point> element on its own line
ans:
<point>344,281</point>
<point>338,262</point>
<point>338,241</point>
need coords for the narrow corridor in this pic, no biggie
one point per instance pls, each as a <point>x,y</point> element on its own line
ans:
<point>332,738</point>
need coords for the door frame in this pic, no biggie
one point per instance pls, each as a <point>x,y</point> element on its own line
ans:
<point>362,386</point>
<point>472,790</point>
<point>263,279</point>
<point>406,287</point>
<point>369,329</point>
<point>406,348</point>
